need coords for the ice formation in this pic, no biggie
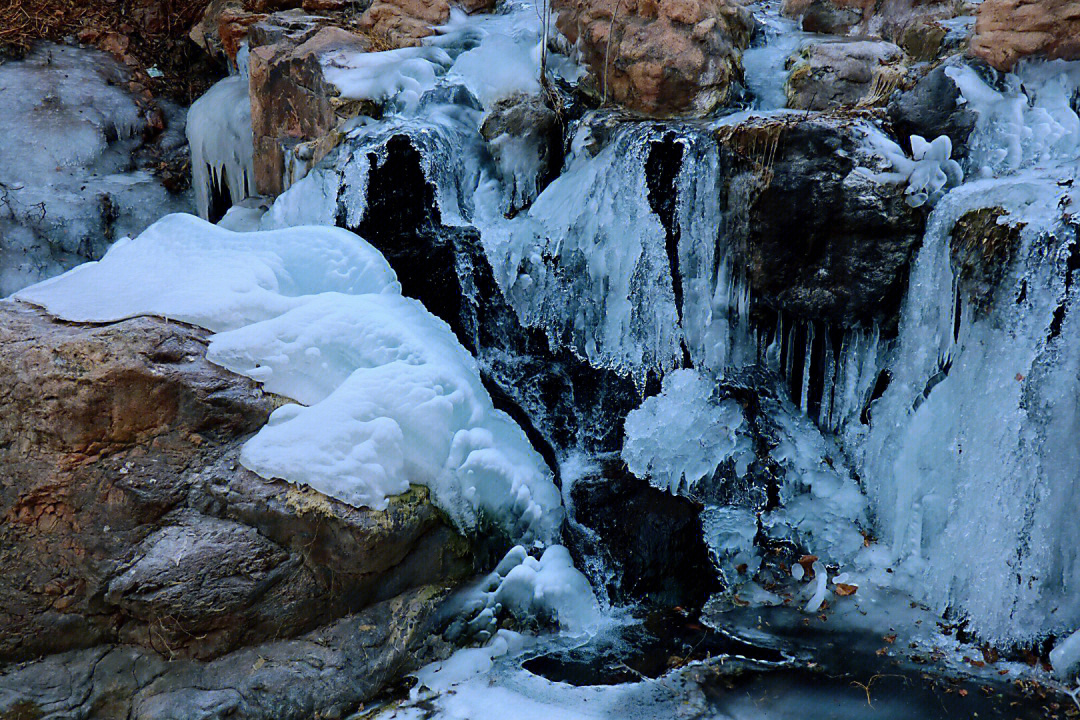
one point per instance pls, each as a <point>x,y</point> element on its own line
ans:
<point>1029,122</point>
<point>684,434</point>
<point>67,187</point>
<point>971,433</point>
<point>1065,657</point>
<point>219,133</point>
<point>397,78</point>
<point>927,174</point>
<point>548,589</point>
<point>314,312</point>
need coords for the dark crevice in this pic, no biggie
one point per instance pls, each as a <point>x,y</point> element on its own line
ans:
<point>661,172</point>
<point>220,196</point>
<point>1072,264</point>
<point>798,362</point>
<point>957,306</point>
<point>880,386</point>
<point>816,387</point>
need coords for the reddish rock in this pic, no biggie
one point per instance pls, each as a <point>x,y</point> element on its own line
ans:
<point>224,27</point>
<point>290,100</point>
<point>672,57</point>
<point>1009,30</point>
<point>403,23</point>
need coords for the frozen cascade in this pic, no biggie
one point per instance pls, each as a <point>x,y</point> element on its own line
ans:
<point>966,456</point>
<point>967,462</point>
<point>219,133</point>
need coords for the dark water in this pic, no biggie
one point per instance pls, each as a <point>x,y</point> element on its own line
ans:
<point>799,673</point>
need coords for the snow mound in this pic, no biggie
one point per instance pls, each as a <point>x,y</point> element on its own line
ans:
<point>549,589</point>
<point>315,313</point>
<point>185,269</point>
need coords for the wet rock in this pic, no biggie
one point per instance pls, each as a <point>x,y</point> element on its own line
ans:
<point>817,239</point>
<point>983,248</point>
<point>291,101</point>
<point>327,673</point>
<point>650,540</point>
<point>1009,30</point>
<point>870,18</point>
<point>677,57</point>
<point>126,517</point>
<point>560,400</point>
<point>932,108</point>
<point>525,138</point>
<point>828,74</point>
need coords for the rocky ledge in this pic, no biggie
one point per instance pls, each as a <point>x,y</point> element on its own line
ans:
<point>160,577</point>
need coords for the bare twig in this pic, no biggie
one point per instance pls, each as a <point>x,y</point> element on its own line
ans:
<point>607,51</point>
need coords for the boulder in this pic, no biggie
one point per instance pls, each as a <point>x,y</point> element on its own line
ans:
<point>668,58</point>
<point>828,74</point>
<point>931,108</point>
<point>1008,30</point>
<point>291,101</point>
<point>888,19</point>
<point>327,673</point>
<point>126,517</point>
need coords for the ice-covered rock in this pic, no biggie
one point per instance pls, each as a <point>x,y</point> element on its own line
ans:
<point>393,398</point>
<point>1027,120</point>
<point>71,177</point>
<point>548,590</point>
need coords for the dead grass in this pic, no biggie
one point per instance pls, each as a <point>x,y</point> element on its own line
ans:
<point>141,33</point>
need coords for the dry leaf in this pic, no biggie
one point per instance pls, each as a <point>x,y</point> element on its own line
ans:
<point>843,589</point>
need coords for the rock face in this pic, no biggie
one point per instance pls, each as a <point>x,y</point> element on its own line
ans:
<point>1008,30</point>
<point>650,540</point>
<point>675,57</point>
<point>291,102</point>
<point>126,517</point>
<point>328,673</point>
<point>815,238</point>
<point>827,75</point>
<point>404,23</point>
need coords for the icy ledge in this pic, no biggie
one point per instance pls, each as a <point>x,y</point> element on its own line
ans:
<point>315,313</point>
